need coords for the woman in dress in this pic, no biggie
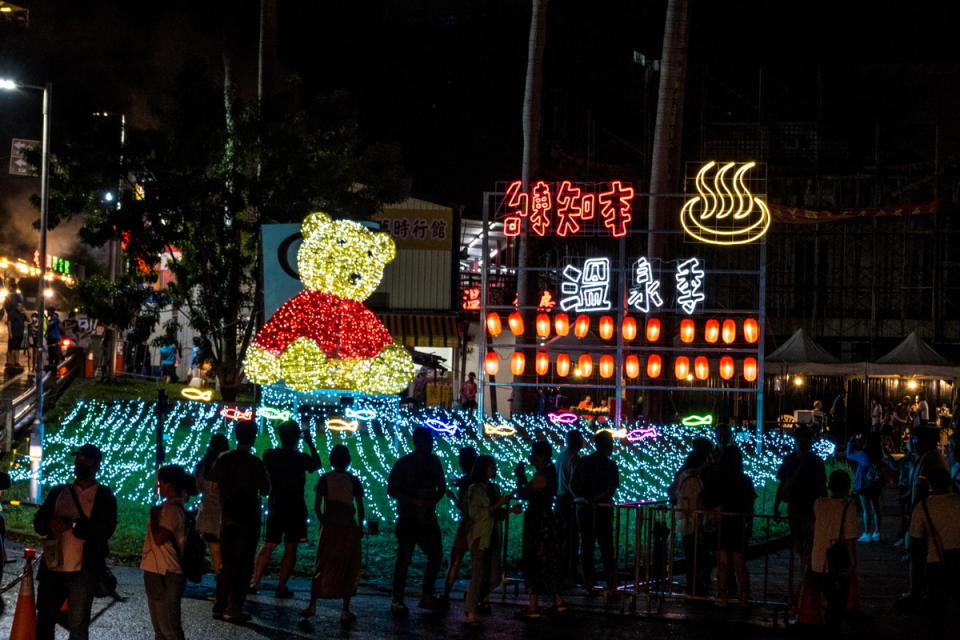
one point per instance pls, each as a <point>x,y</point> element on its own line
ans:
<point>542,568</point>
<point>337,572</point>
<point>208,515</point>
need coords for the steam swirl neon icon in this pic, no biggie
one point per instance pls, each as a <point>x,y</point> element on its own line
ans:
<point>726,212</point>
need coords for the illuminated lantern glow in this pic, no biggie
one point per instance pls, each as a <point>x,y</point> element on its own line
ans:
<point>607,366</point>
<point>688,330</point>
<point>518,362</point>
<point>515,320</point>
<point>325,337</point>
<point>644,433</point>
<point>561,324</point>
<point>751,330</point>
<point>491,363</point>
<point>542,363</point>
<point>359,414</point>
<point>726,213</point>
<point>272,413</point>
<point>494,326</point>
<point>711,331</point>
<point>339,424</point>
<point>582,326</point>
<point>653,329</point>
<point>654,366</point>
<point>681,367</point>
<point>729,331</point>
<point>230,413</point>
<point>192,393</point>
<point>563,365</point>
<point>628,328</point>
<point>543,325</point>
<point>585,364</point>
<point>562,417</point>
<point>697,421</point>
<point>606,327</point>
<point>750,369</point>
<point>498,429</point>
<point>701,368</point>
<point>439,426</point>
<point>631,366</point>
<point>726,367</point>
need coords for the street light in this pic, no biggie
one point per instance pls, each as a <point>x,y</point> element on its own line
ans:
<point>36,438</point>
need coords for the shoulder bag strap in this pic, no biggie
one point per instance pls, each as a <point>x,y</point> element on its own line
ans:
<point>76,501</point>
<point>933,530</point>
<point>843,519</point>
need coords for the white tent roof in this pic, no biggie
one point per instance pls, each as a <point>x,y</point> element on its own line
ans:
<point>913,350</point>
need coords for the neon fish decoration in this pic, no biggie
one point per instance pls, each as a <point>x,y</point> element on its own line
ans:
<point>196,394</point>
<point>271,413</point>
<point>616,433</point>
<point>642,434</point>
<point>440,426</point>
<point>697,421</point>
<point>499,429</point>
<point>562,417</point>
<point>339,424</point>
<point>231,413</point>
<point>359,414</point>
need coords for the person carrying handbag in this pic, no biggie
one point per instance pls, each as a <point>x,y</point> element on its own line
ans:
<point>936,520</point>
<point>834,558</point>
<point>76,522</point>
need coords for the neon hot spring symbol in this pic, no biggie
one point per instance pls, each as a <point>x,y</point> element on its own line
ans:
<point>725,212</point>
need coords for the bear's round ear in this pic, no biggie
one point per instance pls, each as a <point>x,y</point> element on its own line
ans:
<point>313,223</point>
<point>386,246</point>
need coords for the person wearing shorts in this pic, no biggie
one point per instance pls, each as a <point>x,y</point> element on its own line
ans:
<point>287,468</point>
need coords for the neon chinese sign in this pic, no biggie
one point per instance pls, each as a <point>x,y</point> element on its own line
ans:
<point>586,289</point>
<point>726,213</point>
<point>646,289</point>
<point>563,208</point>
<point>689,282</point>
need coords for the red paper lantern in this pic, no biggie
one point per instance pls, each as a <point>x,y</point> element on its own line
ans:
<point>494,327</point>
<point>585,364</point>
<point>653,329</point>
<point>543,363</point>
<point>726,367</point>
<point>582,326</point>
<point>606,327</point>
<point>751,330</point>
<point>729,331</point>
<point>701,368</point>
<point>543,325</point>
<point>688,330</point>
<point>561,324</point>
<point>515,320</point>
<point>563,365</point>
<point>711,332</point>
<point>491,364</point>
<point>607,366</point>
<point>631,366</point>
<point>628,328</point>
<point>681,367</point>
<point>750,369</point>
<point>518,362</point>
<point>654,366</point>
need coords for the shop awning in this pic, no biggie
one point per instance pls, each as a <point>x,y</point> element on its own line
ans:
<point>422,330</point>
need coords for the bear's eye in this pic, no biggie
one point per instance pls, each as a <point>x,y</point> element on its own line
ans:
<point>341,242</point>
<point>369,254</point>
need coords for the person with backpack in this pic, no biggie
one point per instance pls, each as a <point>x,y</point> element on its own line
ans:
<point>936,520</point>
<point>163,550</point>
<point>868,455</point>
<point>76,521</point>
<point>834,558</point>
<point>685,494</point>
<point>802,479</point>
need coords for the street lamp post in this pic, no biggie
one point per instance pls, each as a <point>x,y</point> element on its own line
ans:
<point>36,437</point>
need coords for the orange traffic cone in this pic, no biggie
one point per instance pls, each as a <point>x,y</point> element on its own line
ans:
<point>25,618</point>
<point>88,368</point>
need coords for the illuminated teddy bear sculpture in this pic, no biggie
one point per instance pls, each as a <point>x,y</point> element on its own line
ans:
<point>325,337</point>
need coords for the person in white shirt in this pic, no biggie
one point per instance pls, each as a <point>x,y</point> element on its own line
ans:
<point>835,520</point>
<point>936,520</point>
<point>163,577</point>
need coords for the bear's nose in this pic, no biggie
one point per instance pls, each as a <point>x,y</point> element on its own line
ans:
<point>355,278</point>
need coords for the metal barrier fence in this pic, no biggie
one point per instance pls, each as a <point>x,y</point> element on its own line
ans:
<point>655,562</point>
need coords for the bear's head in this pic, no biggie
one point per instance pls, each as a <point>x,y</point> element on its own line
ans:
<point>342,257</point>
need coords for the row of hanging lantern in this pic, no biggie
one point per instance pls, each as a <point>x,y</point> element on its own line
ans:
<point>682,369</point>
<point>713,330</point>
